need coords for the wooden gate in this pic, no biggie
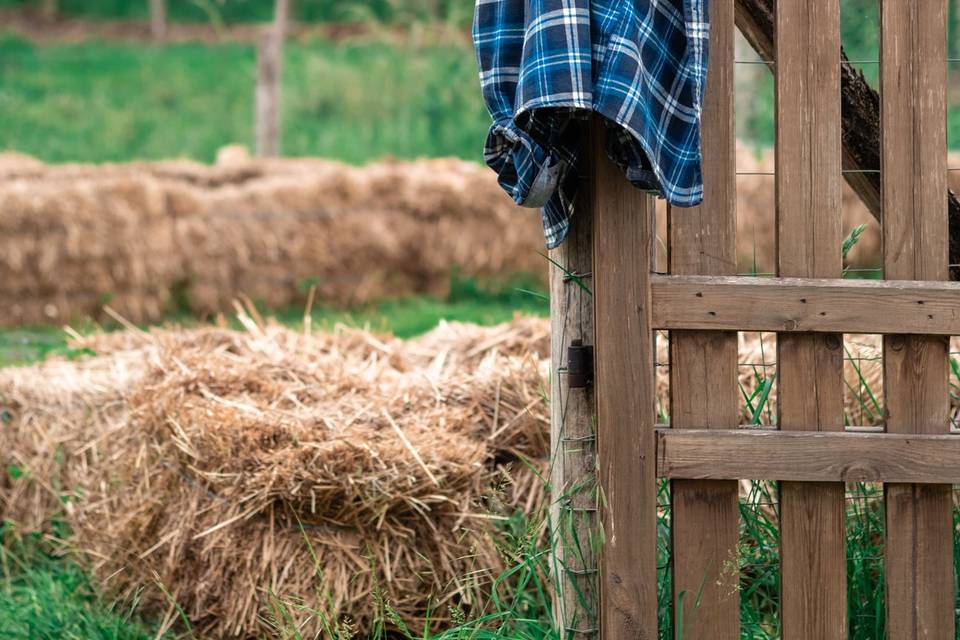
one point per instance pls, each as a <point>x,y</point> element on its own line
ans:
<point>703,304</point>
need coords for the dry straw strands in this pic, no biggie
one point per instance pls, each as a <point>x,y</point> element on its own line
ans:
<point>223,462</point>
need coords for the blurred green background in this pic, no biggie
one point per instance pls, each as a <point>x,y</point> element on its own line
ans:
<point>401,82</point>
<point>352,100</point>
<point>238,11</point>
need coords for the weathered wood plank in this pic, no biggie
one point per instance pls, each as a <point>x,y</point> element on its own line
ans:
<point>625,393</point>
<point>919,544</point>
<point>807,456</point>
<point>572,433</point>
<point>801,304</point>
<point>810,366</point>
<point>703,367</point>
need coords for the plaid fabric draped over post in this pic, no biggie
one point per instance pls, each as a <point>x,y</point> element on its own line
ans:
<point>545,65</point>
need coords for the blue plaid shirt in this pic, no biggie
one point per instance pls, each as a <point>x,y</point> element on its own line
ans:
<point>546,64</point>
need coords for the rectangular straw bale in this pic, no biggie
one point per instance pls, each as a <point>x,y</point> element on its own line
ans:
<point>211,458</point>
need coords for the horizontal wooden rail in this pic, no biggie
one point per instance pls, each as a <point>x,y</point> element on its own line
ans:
<point>807,456</point>
<point>728,303</point>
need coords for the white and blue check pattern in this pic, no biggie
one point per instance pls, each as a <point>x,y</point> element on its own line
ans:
<point>546,64</point>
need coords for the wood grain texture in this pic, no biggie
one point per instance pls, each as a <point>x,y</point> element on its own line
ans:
<point>805,305</point>
<point>810,366</point>
<point>572,433</point>
<point>919,545</point>
<point>808,138</point>
<point>703,367</point>
<point>625,392</point>
<point>807,456</point>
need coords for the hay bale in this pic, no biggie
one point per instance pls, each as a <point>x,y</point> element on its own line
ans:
<point>231,466</point>
<point>75,236</point>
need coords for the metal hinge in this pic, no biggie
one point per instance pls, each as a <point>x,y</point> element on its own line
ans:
<point>579,365</point>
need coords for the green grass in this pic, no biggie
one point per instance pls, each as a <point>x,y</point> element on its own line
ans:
<point>44,596</point>
<point>234,11</point>
<point>353,101</point>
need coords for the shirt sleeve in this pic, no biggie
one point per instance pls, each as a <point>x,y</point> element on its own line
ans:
<point>498,34</point>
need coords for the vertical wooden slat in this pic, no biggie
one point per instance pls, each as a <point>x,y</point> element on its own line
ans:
<point>703,368</point>
<point>573,438</point>
<point>625,393</point>
<point>919,544</point>
<point>810,367</point>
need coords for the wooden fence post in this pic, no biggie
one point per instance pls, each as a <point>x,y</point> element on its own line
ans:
<point>270,82</point>
<point>623,240</point>
<point>919,518</point>
<point>158,20</point>
<point>575,533</point>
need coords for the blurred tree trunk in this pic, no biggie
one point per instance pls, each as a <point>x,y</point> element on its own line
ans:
<point>49,9</point>
<point>860,106</point>
<point>955,32</point>
<point>270,81</point>
<point>281,17</point>
<point>158,20</point>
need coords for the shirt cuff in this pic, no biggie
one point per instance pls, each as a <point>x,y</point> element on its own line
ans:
<point>527,170</point>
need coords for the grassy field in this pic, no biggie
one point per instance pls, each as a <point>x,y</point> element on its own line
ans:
<point>355,100</point>
<point>46,596</point>
<point>352,101</point>
<point>238,11</point>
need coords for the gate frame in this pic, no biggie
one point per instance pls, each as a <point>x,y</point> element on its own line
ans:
<point>702,305</point>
